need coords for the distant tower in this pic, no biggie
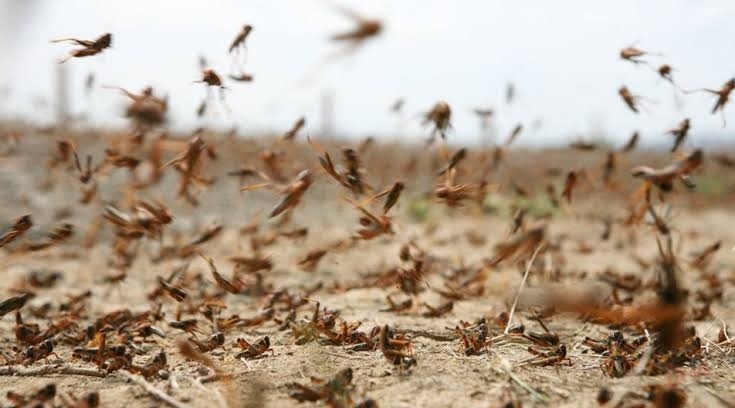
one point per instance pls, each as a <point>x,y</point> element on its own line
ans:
<point>489,134</point>
<point>62,94</point>
<point>327,108</point>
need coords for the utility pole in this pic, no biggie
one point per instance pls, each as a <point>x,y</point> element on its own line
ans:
<point>327,113</point>
<point>62,94</point>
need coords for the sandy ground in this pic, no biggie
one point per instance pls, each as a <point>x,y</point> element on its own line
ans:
<point>443,376</point>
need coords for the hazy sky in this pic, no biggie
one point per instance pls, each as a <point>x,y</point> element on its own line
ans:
<point>562,56</point>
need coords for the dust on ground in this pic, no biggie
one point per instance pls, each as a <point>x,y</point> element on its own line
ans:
<point>454,238</point>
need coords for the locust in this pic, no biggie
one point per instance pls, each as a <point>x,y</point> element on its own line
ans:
<point>207,235</point>
<point>631,100</point>
<point>252,264</point>
<point>396,349</point>
<point>438,311</point>
<point>679,133</point>
<point>704,257</point>
<point>581,144</point>
<point>473,340</point>
<point>253,350</point>
<point>663,178</point>
<point>723,96</point>
<point>453,193</point>
<point>53,237</point>
<point>89,47</point>
<point>239,41</point>
<point>440,117</point>
<point>366,28</point>
<point>518,220</point>
<point>245,172</point>
<point>397,307</point>
<point>190,326</point>
<point>372,225</point>
<point>214,341</point>
<point>397,106</point>
<point>608,168</point>
<point>517,129</point>
<point>569,184</point>
<point>329,167</point>
<point>545,339</point>
<point>146,218</point>
<point>19,227</point>
<point>337,392</point>
<point>634,54</point>
<point>293,193</point>
<point>40,398</point>
<point>145,108</point>
<point>632,142</point>
<point>158,362</point>
<point>38,352</point>
<point>510,93</point>
<point>665,72</point>
<point>457,157</point>
<point>243,77</point>
<point>353,175</point>
<point>202,108</point>
<point>391,196</point>
<point>187,163</point>
<point>521,244</point>
<point>13,303</point>
<point>310,261</point>
<point>177,293</point>
<point>724,160</point>
<point>555,356</point>
<point>294,131</point>
<point>211,78</point>
<point>234,286</point>
<point>484,115</point>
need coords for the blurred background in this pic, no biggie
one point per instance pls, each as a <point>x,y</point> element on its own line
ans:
<point>561,57</point>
